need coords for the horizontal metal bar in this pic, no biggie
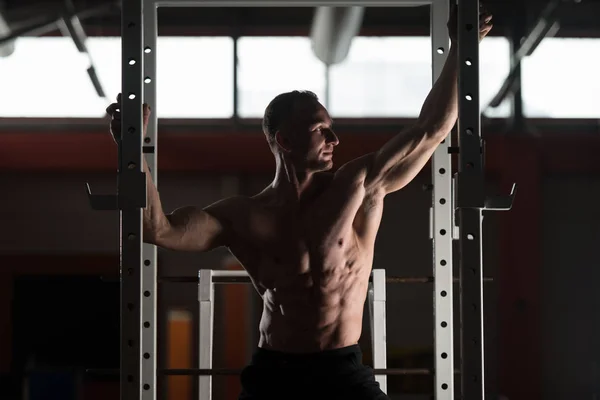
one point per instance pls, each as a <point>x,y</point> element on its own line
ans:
<point>246,279</point>
<point>230,371</point>
<point>291,3</point>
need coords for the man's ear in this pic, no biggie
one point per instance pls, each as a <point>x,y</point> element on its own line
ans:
<point>282,142</point>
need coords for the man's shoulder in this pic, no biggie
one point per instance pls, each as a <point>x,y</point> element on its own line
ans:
<point>228,207</point>
<point>354,170</point>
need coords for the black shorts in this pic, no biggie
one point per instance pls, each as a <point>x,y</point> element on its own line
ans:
<point>327,375</point>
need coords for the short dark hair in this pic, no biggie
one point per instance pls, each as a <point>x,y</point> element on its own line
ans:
<point>281,108</point>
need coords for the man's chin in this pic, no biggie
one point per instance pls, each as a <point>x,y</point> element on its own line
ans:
<point>324,166</point>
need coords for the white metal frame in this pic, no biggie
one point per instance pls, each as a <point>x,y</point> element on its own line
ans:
<point>206,298</point>
<point>138,271</point>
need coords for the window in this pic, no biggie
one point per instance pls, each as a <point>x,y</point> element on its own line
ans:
<point>560,79</point>
<point>46,77</point>
<point>382,76</point>
<point>391,77</point>
<point>269,66</point>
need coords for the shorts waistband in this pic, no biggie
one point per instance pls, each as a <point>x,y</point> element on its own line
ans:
<point>267,356</point>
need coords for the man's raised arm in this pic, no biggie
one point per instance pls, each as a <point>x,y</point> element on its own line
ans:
<point>400,160</point>
<point>187,228</point>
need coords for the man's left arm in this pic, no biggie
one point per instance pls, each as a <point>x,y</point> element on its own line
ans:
<point>398,162</point>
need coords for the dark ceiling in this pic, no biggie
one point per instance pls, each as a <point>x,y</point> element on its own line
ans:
<point>578,19</point>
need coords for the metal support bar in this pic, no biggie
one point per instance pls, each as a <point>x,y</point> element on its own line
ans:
<point>291,3</point>
<point>546,26</point>
<point>150,154</point>
<point>206,298</point>
<point>132,198</point>
<point>377,317</point>
<point>71,26</point>
<point>246,279</point>
<point>442,225</point>
<point>471,199</point>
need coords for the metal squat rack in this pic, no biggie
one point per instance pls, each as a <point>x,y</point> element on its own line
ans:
<point>464,195</point>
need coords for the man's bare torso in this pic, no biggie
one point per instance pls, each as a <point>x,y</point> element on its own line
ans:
<point>309,262</point>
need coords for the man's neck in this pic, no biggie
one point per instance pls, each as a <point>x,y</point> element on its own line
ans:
<point>291,183</point>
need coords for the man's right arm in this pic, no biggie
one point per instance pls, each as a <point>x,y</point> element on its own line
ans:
<point>187,228</point>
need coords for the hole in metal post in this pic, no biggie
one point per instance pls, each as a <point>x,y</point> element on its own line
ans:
<point>444,324</point>
<point>130,271</point>
<point>147,140</point>
<point>146,324</point>
<point>442,232</point>
<point>469,131</point>
<point>440,50</point>
<point>147,262</point>
<point>442,171</point>
<point>131,129</point>
<point>147,50</point>
<point>131,165</point>
<point>444,293</point>
<point>146,355</point>
<point>131,236</point>
<point>469,97</point>
<point>131,96</point>
<point>147,79</point>
<point>131,61</point>
<point>445,386</point>
<point>444,355</point>
<point>470,236</point>
<point>443,262</point>
<point>147,293</point>
<point>442,201</point>
<point>131,25</point>
<point>130,306</point>
<point>468,62</point>
<point>146,386</point>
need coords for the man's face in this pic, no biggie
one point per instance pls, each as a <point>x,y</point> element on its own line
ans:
<point>310,136</point>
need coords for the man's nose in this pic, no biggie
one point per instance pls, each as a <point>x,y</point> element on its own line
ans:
<point>332,138</point>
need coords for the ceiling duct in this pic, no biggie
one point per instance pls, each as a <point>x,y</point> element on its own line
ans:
<point>333,29</point>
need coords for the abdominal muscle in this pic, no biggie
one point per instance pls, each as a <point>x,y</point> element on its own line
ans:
<point>314,312</point>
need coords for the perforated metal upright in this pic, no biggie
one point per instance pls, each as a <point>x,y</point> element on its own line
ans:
<point>442,224</point>
<point>131,200</point>
<point>138,260</point>
<point>138,356</point>
<point>470,191</point>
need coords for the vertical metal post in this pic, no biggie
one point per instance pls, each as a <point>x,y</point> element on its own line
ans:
<point>442,225</point>
<point>206,298</point>
<point>377,318</point>
<point>131,199</point>
<point>149,272</point>
<point>470,201</point>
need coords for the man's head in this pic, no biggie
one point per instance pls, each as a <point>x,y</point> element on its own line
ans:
<point>299,127</point>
